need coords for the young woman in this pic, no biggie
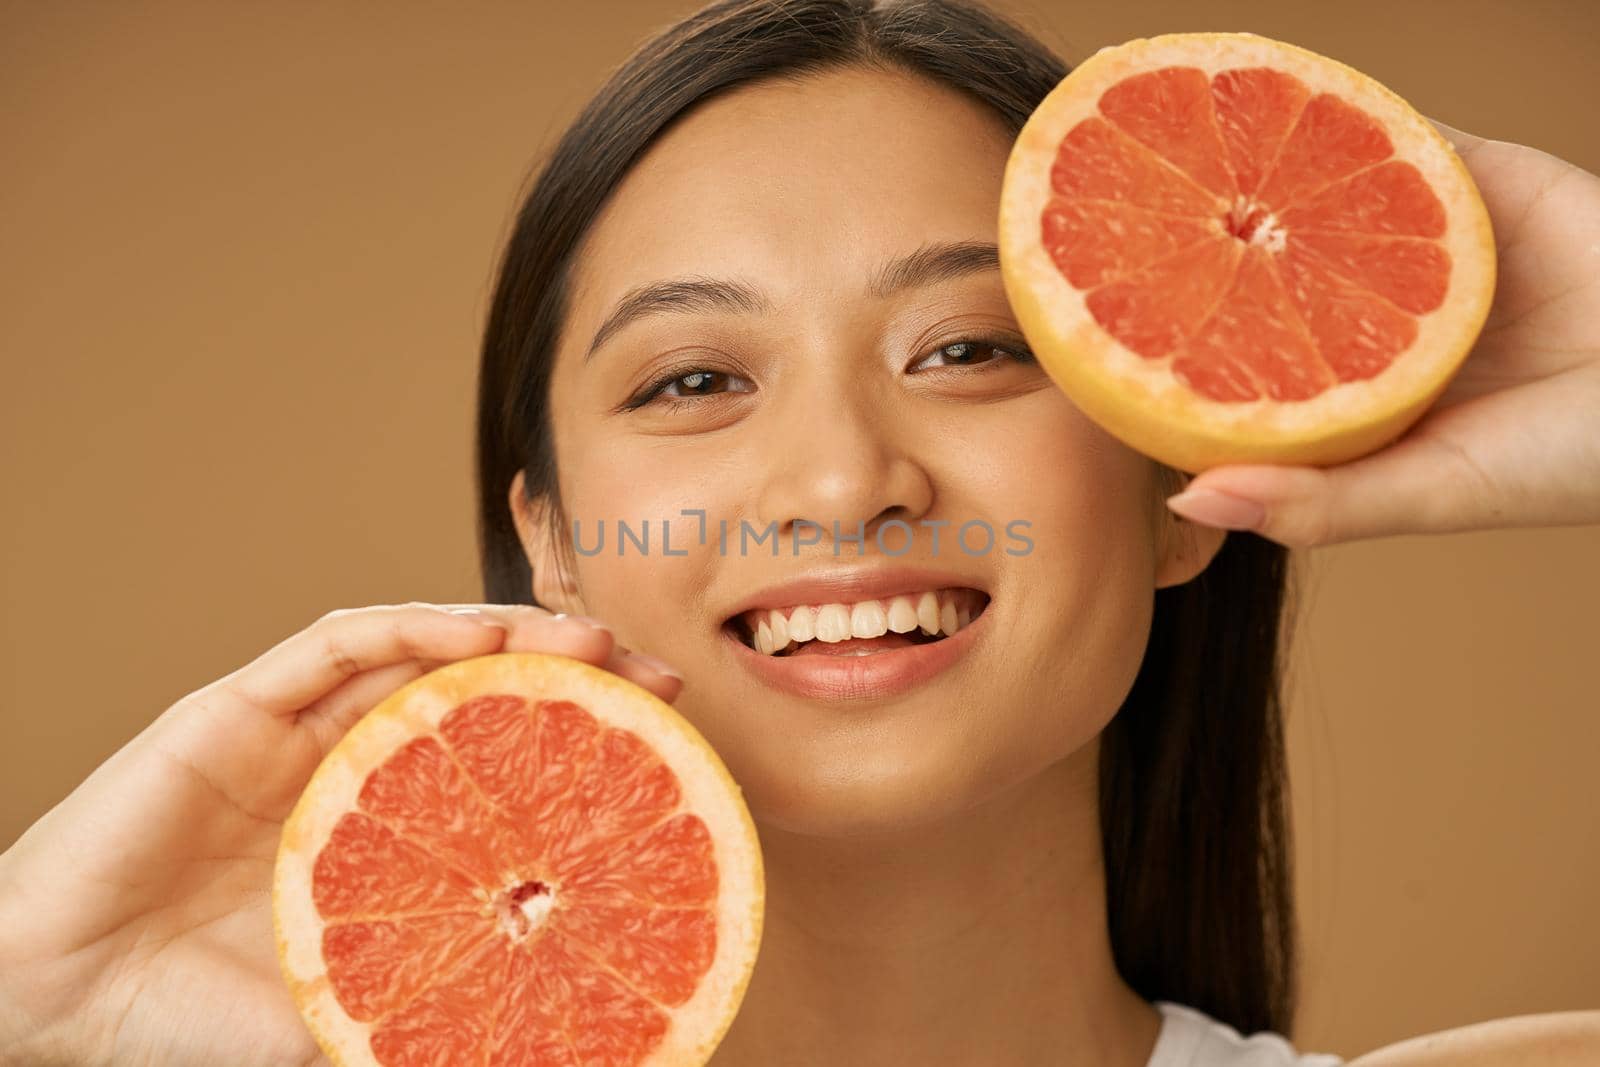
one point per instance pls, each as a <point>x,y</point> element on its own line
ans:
<point>755,285</point>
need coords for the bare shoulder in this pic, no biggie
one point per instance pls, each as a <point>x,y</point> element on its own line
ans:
<point>1560,1039</point>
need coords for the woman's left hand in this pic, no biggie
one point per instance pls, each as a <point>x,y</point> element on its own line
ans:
<point>1514,440</point>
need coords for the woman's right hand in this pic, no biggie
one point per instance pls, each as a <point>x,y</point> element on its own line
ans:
<point>136,917</point>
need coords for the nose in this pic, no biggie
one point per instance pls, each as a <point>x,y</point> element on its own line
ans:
<point>854,462</point>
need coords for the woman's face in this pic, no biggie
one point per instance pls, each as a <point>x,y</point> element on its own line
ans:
<point>816,386</point>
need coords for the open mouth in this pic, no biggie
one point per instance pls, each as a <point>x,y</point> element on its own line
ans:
<point>858,628</point>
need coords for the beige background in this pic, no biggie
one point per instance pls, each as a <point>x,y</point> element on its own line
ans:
<point>245,252</point>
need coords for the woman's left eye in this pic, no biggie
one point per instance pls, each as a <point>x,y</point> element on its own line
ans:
<point>976,352</point>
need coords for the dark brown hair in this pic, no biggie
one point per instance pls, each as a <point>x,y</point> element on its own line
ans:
<point>1192,766</point>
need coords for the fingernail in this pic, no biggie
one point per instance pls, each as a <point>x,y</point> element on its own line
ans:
<point>659,666</point>
<point>1211,507</point>
<point>480,617</point>
<point>593,624</point>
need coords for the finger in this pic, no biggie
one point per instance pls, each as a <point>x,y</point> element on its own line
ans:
<point>581,637</point>
<point>656,675</point>
<point>1421,484</point>
<point>330,716</point>
<point>1460,140</point>
<point>593,641</point>
<point>534,629</point>
<point>344,643</point>
<point>577,636</point>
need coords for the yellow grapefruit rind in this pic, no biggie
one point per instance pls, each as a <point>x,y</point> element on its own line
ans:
<point>1138,400</point>
<point>416,709</point>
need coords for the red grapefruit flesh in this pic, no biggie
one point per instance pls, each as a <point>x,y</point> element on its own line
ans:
<point>1227,249</point>
<point>519,859</point>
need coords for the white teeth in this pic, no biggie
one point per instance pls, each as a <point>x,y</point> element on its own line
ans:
<point>868,620</point>
<point>833,623</point>
<point>780,630</point>
<point>802,625</point>
<point>902,616</point>
<point>935,613</point>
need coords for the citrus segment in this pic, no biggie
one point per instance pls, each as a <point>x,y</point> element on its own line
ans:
<point>422,795</point>
<point>1100,162</point>
<point>660,951</point>
<point>1330,141</point>
<point>1254,338</point>
<point>519,859</point>
<point>531,1027</point>
<point>452,1019</point>
<point>1411,274</point>
<point>1098,242</point>
<point>379,965</point>
<point>1229,249</point>
<point>1170,112</point>
<point>1358,329</point>
<point>1391,198</point>
<point>1155,309</point>
<point>668,864</point>
<point>368,870</point>
<point>1256,107</point>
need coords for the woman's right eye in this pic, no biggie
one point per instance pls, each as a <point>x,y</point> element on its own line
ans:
<point>678,387</point>
<point>698,383</point>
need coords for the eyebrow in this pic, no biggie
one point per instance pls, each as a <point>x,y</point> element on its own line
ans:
<point>930,264</point>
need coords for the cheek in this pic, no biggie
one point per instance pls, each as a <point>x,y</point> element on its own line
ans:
<point>1090,636</point>
<point>1085,495</point>
<point>1077,607</point>
<point>641,566</point>
<point>639,477</point>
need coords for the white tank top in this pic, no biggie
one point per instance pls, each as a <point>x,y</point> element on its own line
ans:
<point>1191,1038</point>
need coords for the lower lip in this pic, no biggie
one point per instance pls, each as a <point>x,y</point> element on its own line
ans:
<point>869,677</point>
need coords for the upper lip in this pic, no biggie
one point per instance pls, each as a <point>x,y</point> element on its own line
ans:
<point>848,586</point>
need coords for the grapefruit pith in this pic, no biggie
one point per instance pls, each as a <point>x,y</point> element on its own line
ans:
<point>1229,249</point>
<point>519,859</point>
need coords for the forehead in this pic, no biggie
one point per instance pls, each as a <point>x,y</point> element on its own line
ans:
<point>803,186</point>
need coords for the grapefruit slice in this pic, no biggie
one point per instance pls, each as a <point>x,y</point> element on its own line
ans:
<point>519,859</point>
<point>1229,249</point>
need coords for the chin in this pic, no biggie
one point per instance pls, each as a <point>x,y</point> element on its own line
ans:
<point>863,792</point>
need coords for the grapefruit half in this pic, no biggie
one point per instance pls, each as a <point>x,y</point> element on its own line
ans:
<point>519,859</point>
<point>1229,249</point>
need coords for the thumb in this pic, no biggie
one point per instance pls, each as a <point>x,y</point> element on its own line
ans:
<point>1417,485</point>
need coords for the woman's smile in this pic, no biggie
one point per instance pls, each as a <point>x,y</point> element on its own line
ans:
<point>857,635</point>
<point>871,668</point>
<point>821,629</point>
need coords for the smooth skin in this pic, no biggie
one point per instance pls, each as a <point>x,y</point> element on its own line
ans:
<point>134,917</point>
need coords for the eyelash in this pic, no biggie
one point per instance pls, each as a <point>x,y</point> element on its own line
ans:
<point>656,390</point>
